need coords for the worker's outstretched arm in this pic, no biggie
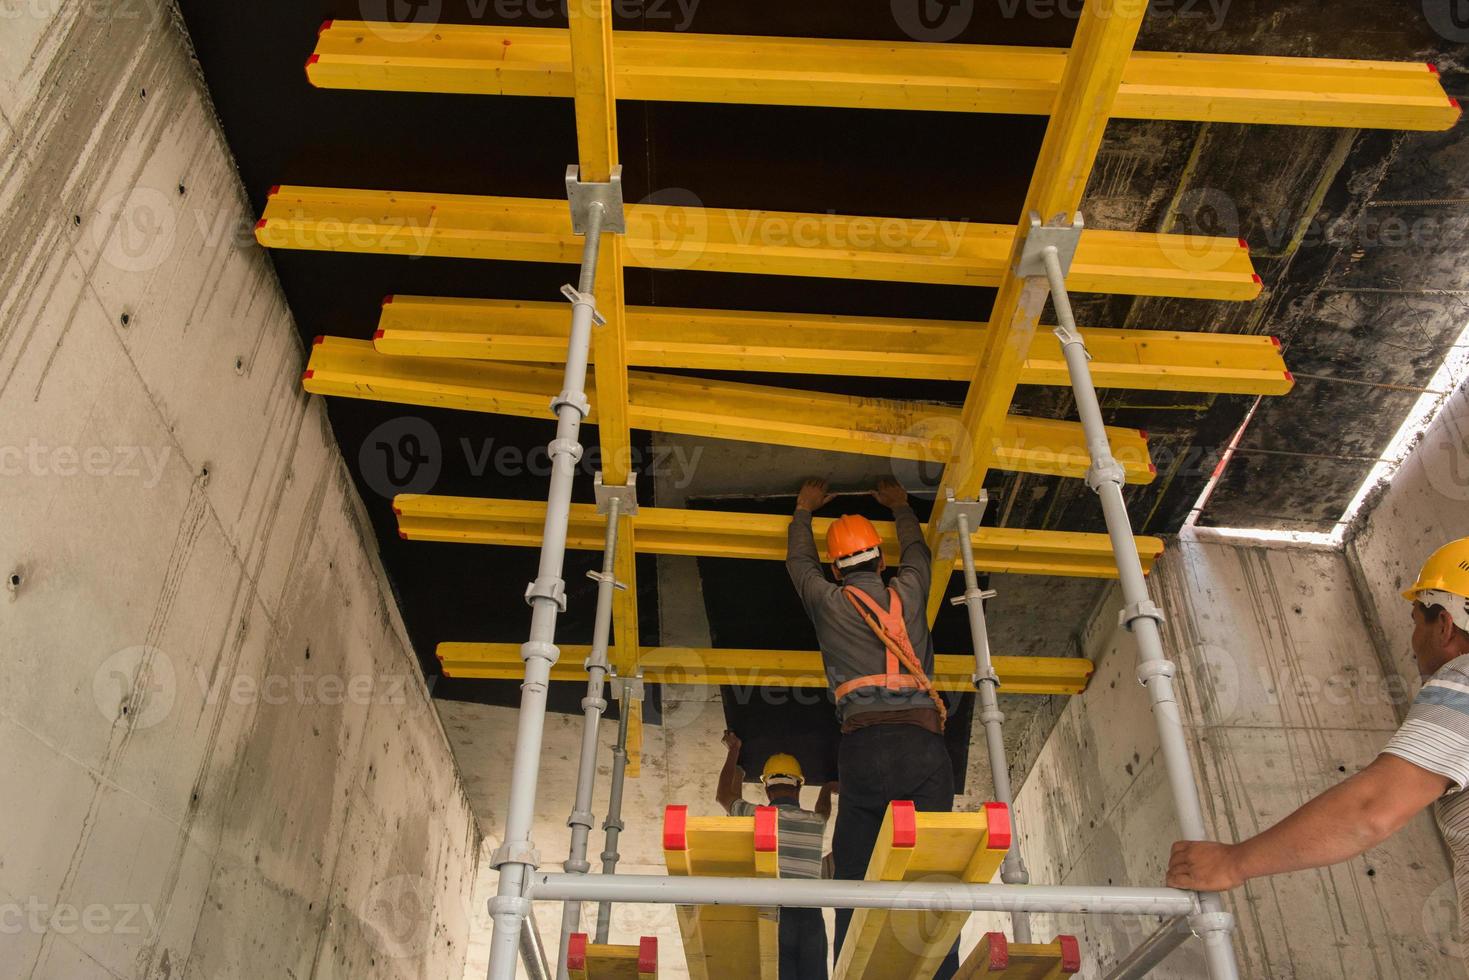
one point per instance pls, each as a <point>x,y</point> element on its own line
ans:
<point>731,777</point>
<point>913,553</point>
<point>803,562</point>
<point>1336,826</point>
<point>823,800</point>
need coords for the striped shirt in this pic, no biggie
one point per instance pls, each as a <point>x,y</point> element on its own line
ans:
<point>1436,738</point>
<point>800,836</point>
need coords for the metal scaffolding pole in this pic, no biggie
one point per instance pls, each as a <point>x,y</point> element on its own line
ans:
<point>965,516</point>
<point>613,501</point>
<point>1152,951</point>
<point>516,858</point>
<point>836,893</point>
<point>612,826</point>
<point>1048,251</point>
<point>533,950</point>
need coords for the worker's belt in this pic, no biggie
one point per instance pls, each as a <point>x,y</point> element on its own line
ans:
<point>890,682</point>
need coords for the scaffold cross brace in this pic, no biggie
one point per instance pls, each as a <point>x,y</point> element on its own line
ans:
<point>583,195</point>
<point>1065,236</point>
<point>596,576</point>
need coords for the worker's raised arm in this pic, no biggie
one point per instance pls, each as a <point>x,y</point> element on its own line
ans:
<point>1357,814</point>
<point>731,778</point>
<point>913,551</point>
<point>803,562</point>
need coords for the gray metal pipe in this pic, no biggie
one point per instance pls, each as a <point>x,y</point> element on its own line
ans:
<point>1142,617</point>
<point>516,857</point>
<point>612,826</point>
<point>593,705</point>
<point>533,950</point>
<point>987,682</point>
<point>836,893</point>
<point>1152,951</point>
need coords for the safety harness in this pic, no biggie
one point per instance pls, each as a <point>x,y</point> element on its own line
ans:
<point>888,626</point>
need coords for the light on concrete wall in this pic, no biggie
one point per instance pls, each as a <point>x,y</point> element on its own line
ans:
<point>1431,404</point>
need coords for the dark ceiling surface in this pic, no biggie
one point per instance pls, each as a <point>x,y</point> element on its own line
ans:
<point>1349,303</point>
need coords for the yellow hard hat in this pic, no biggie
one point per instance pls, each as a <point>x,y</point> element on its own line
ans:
<point>1445,579</point>
<point>782,769</point>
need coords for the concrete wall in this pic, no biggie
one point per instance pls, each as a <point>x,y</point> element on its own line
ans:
<point>1283,694</point>
<point>217,756</point>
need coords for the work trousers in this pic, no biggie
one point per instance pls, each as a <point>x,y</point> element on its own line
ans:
<point>802,944</point>
<point>877,765</point>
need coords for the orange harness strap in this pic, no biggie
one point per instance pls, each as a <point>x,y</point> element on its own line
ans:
<point>888,626</point>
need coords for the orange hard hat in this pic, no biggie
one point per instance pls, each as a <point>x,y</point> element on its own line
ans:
<point>852,540</point>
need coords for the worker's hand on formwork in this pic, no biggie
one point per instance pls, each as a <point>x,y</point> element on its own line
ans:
<point>1204,866</point>
<point>890,493</point>
<point>813,495</point>
<point>732,742</point>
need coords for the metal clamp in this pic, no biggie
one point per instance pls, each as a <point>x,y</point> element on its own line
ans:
<point>963,600</point>
<point>600,704</point>
<point>578,298</point>
<point>1206,922</point>
<point>1070,335</point>
<point>583,195</point>
<point>1153,669</point>
<point>632,687</point>
<point>547,587</point>
<point>578,401</point>
<point>973,511</point>
<point>1146,609</point>
<point>566,447</point>
<point>581,818</point>
<point>514,852</point>
<point>1104,471</point>
<point>1058,233</point>
<point>627,496</point>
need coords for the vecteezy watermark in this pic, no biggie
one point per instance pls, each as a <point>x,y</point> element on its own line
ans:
<point>414,20</point>
<point>1444,449</point>
<point>933,20</point>
<point>665,462</point>
<point>1450,18</point>
<point>1443,920</point>
<point>945,20</point>
<point>38,459</point>
<point>96,919</point>
<point>401,455</point>
<point>397,915</point>
<point>114,10</point>
<point>136,684</point>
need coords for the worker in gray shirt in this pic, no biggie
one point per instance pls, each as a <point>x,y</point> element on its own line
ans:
<point>878,656</point>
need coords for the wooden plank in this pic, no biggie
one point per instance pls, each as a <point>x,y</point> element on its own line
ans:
<point>996,957</point>
<point>671,66</point>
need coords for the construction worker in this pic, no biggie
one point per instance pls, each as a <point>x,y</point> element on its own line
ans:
<point>878,656</point>
<point>799,837</point>
<point>1425,763</point>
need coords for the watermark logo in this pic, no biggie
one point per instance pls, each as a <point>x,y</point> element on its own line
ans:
<point>136,684</point>
<point>1212,675</point>
<point>1449,18</point>
<point>142,236</point>
<point>673,229</point>
<point>1442,920</point>
<point>1202,216</point>
<point>929,444</point>
<point>96,919</point>
<point>933,20</point>
<point>1444,450</point>
<point>121,462</point>
<point>402,455</point>
<point>397,916</point>
<point>413,20</point>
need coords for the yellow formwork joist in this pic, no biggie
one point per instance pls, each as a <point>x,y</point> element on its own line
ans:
<point>725,942</point>
<point>804,343</point>
<point>682,67</point>
<point>776,243</point>
<point>602,961</point>
<point>884,944</point>
<point>995,957</point>
<point>1093,71</point>
<point>724,534</point>
<point>915,431</point>
<point>745,669</point>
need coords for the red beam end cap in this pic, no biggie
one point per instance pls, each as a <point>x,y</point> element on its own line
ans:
<point>998,816</point>
<point>676,828</point>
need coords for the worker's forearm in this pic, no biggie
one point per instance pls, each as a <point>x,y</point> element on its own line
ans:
<point>1332,828</point>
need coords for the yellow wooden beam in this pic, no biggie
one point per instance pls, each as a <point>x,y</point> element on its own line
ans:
<point>803,343</point>
<point>724,534</point>
<point>884,944</point>
<point>762,668</point>
<point>773,243</point>
<point>891,429</point>
<point>1093,71</point>
<point>587,960</point>
<point>680,67</point>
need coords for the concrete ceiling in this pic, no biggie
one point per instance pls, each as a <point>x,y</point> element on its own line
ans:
<point>1355,307</point>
